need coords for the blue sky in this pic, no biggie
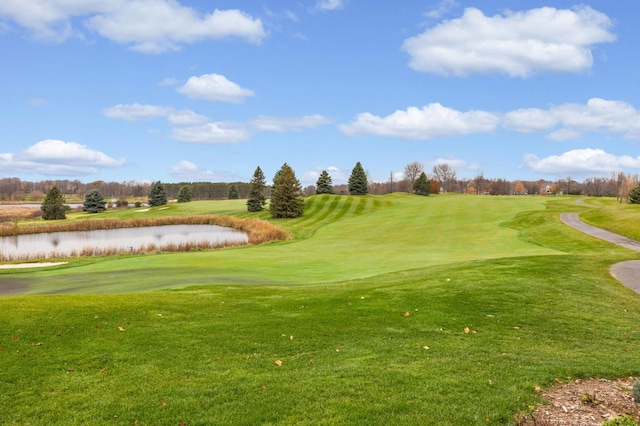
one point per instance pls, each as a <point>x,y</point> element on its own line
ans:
<point>207,90</point>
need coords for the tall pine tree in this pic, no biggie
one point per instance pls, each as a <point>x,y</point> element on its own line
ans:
<point>324,184</point>
<point>422,185</point>
<point>157,195</point>
<point>184,194</point>
<point>358,181</point>
<point>287,198</point>
<point>94,202</point>
<point>256,199</point>
<point>53,207</point>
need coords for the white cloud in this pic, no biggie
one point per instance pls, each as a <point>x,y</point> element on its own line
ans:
<point>188,126</point>
<point>151,26</point>
<point>186,118</point>
<point>188,171</point>
<point>56,157</point>
<point>432,121</point>
<point>597,115</point>
<point>338,177</point>
<point>169,81</point>
<point>529,120</point>
<point>214,87</point>
<point>580,163</point>
<point>283,124</point>
<point>211,133</point>
<point>441,9</point>
<point>329,4</point>
<point>134,112</point>
<point>518,44</point>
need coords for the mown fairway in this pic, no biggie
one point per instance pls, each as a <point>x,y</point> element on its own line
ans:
<point>382,310</point>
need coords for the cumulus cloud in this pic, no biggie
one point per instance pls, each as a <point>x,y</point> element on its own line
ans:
<point>188,171</point>
<point>597,115</point>
<point>134,112</point>
<point>214,87</point>
<point>283,124</point>
<point>186,118</point>
<point>329,4</point>
<point>562,122</point>
<point>518,44</point>
<point>580,162</point>
<point>56,157</point>
<point>211,133</point>
<point>432,121</point>
<point>441,9</point>
<point>150,26</point>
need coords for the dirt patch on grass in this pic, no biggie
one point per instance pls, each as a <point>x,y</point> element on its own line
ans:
<point>585,403</point>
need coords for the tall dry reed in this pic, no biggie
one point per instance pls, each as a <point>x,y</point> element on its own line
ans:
<point>258,232</point>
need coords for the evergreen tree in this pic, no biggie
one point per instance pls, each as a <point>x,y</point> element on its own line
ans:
<point>324,184</point>
<point>94,202</point>
<point>157,195</point>
<point>184,194</point>
<point>287,198</point>
<point>422,185</point>
<point>53,207</point>
<point>358,181</point>
<point>634,195</point>
<point>256,199</point>
<point>233,192</point>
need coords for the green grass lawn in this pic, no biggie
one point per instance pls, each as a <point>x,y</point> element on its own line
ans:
<point>366,309</point>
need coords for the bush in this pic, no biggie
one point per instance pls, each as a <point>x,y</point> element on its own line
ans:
<point>624,420</point>
<point>634,195</point>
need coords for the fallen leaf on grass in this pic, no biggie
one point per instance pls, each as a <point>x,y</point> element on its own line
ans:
<point>37,344</point>
<point>466,330</point>
<point>426,348</point>
<point>120,328</point>
<point>278,363</point>
<point>406,314</point>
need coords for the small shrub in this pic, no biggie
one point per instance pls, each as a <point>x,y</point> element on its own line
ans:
<point>635,390</point>
<point>138,204</point>
<point>589,399</point>
<point>624,420</point>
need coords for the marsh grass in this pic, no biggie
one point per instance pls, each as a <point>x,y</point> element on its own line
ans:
<point>259,231</point>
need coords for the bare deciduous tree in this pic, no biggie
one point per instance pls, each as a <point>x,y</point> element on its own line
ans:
<point>411,173</point>
<point>445,175</point>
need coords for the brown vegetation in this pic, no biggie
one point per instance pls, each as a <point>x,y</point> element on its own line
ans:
<point>258,231</point>
<point>8,213</point>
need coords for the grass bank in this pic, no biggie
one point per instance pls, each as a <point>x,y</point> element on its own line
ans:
<point>383,310</point>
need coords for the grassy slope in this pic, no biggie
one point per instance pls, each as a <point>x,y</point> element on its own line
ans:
<point>353,237</point>
<point>535,295</point>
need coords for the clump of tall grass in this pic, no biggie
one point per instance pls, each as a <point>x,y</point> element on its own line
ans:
<point>258,231</point>
<point>87,251</point>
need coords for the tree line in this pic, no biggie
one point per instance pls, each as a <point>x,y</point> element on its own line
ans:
<point>442,178</point>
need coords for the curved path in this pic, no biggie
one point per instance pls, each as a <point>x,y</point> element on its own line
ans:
<point>628,273</point>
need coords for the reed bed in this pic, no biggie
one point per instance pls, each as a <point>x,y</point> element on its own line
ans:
<point>258,231</point>
<point>113,251</point>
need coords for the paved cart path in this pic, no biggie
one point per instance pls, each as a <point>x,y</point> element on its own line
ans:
<point>628,273</point>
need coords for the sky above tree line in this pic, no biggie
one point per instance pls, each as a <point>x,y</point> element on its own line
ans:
<point>207,90</point>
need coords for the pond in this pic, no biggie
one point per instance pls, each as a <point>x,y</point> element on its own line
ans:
<point>113,241</point>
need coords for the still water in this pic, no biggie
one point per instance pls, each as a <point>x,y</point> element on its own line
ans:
<point>65,244</point>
